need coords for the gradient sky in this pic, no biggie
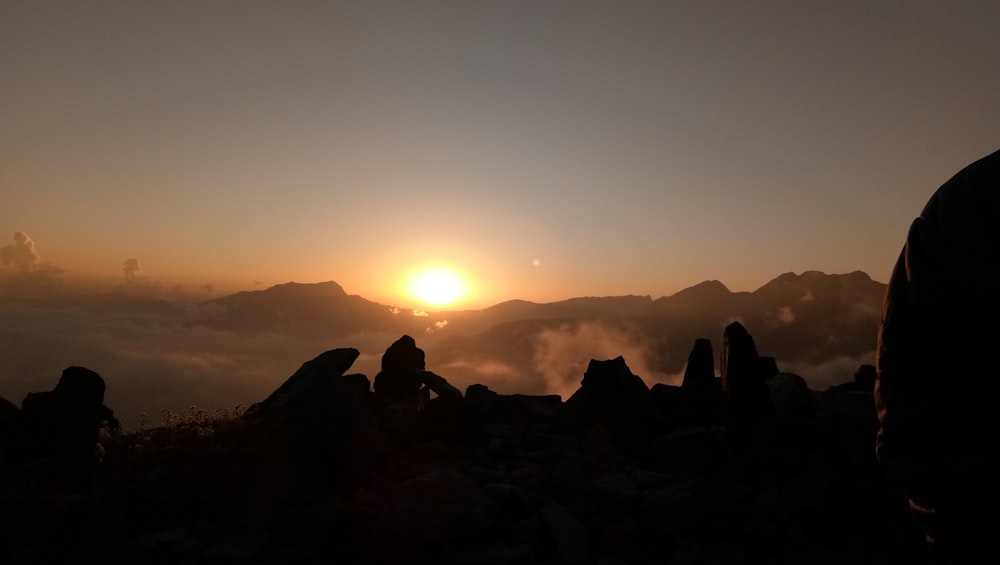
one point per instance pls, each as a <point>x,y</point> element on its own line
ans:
<point>545,149</point>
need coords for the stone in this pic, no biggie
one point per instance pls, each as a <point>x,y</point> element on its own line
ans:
<point>402,365</point>
<point>699,374</point>
<point>609,395</point>
<point>747,396</point>
<point>440,386</point>
<point>437,506</point>
<point>308,380</point>
<point>703,396</point>
<point>9,415</point>
<point>864,377</point>
<point>567,533</point>
<point>313,434</point>
<point>62,423</point>
<point>791,395</point>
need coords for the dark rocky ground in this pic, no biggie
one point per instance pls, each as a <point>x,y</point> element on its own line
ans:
<point>328,470</point>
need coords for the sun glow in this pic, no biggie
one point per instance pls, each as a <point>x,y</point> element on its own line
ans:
<point>437,286</point>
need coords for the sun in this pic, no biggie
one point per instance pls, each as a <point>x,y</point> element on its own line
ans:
<point>437,286</point>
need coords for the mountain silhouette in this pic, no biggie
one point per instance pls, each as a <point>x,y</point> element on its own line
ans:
<point>807,320</point>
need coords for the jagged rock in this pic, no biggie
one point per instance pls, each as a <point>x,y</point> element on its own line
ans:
<point>609,395</point>
<point>62,424</point>
<point>313,377</point>
<point>747,396</point>
<point>399,380</point>
<point>313,433</point>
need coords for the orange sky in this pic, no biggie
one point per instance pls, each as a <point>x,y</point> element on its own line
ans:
<point>547,150</point>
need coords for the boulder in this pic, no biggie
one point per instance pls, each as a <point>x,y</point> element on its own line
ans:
<point>402,365</point>
<point>791,395</point>
<point>313,377</point>
<point>610,396</point>
<point>62,424</point>
<point>313,434</point>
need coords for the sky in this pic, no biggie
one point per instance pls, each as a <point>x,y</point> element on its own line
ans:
<point>543,150</point>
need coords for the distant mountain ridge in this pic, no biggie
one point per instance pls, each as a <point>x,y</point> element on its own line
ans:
<point>803,320</point>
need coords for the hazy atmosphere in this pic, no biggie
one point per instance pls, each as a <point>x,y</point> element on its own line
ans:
<point>542,150</point>
<point>441,157</point>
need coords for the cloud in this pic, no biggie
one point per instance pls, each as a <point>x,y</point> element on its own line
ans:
<point>439,325</point>
<point>131,267</point>
<point>21,253</point>
<point>786,314</point>
<point>562,354</point>
<point>821,376</point>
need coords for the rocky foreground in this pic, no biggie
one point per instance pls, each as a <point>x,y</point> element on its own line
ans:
<point>748,467</point>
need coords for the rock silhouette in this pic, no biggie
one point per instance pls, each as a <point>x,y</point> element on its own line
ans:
<point>703,395</point>
<point>618,473</point>
<point>62,424</point>
<point>747,398</point>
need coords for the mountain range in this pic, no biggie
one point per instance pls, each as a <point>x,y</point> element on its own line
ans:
<point>819,325</point>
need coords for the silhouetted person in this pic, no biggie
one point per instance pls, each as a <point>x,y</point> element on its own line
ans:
<point>938,366</point>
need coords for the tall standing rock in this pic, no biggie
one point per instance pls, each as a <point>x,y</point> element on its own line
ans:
<point>747,397</point>
<point>700,386</point>
<point>700,371</point>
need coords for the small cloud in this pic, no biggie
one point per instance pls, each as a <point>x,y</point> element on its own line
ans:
<point>21,253</point>
<point>786,314</point>
<point>131,268</point>
<point>394,310</point>
<point>419,313</point>
<point>258,283</point>
<point>536,262</point>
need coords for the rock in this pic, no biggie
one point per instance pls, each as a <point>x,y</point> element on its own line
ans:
<point>689,453</point>
<point>9,414</point>
<point>864,378</point>
<point>768,367</point>
<point>703,400</point>
<point>699,374</point>
<point>440,386</point>
<point>399,380</point>
<point>310,436</point>
<point>791,395</point>
<point>62,424</point>
<point>311,378</point>
<point>567,533</point>
<point>438,506</point>
<point>747,397</point>
<point>609,395</point>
